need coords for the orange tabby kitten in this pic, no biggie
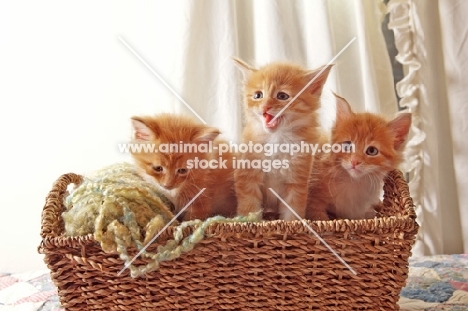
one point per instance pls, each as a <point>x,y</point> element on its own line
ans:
<point>348,184</point>
<point>267,91</point>
<point>176,172</point>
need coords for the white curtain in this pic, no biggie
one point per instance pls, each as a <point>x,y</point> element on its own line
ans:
<point>310,33</point>
<point>431,39</point>
<point>454,206</point>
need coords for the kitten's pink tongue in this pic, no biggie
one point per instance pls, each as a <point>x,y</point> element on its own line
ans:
<point>268,118</point>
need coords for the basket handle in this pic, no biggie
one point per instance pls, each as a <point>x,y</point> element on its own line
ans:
<point>396,189</point>
<point>52,222</point>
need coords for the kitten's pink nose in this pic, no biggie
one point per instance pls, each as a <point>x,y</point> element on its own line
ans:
<point>266,108</point>
<point>355,163</point>
<point>169,186</point>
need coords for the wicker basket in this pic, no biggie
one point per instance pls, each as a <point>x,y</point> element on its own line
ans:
<point>274,265</point>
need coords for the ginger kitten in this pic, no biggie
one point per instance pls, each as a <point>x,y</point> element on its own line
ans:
<point>176,172</point>
<point>266,92</point>
<point>346,184</point>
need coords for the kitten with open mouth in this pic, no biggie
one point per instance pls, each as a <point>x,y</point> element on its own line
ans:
<point>271,121</point>
<point>272,117</point>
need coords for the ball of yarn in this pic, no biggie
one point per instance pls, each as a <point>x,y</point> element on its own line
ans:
<point>115,203</point>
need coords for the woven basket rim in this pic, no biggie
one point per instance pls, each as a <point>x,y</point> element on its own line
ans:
<point>405,222</point>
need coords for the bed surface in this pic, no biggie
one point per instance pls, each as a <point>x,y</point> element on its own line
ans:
<point>434,283</point>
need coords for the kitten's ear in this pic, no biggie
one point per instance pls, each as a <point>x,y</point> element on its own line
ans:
<point>343,108</point>
<point>400,126</point>
<point>141,130</point>
<point>319,76</point>
<point>245,68</point>
<point>206,134</point>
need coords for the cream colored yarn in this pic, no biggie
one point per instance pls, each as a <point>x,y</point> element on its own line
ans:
<point>115,203</point>
<point>179,245</point>
<point>122,210</point>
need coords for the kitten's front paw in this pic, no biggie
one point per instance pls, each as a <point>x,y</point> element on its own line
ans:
<point>289,217</point>
<point>372,213</point>
<point>246,209</point>
<point>317,215</point>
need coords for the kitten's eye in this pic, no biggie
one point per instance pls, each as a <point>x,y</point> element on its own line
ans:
<point>158,168</point>
<point>182,171</point>
<point>372,151</point>
<point>258,95</point>
<point>282,96</point>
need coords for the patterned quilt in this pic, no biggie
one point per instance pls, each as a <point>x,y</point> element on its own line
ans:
<point>434,283</point>
<point>28,292</point>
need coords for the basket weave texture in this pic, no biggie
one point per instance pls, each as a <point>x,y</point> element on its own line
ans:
<point>271,265</point>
